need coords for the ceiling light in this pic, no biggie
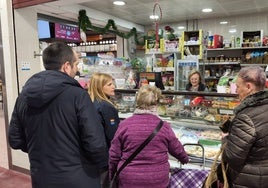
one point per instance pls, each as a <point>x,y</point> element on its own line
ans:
<point>232,30</point>
<point>181,27</point>
<point>207,10</point>
<point>120,3</point>
<point>154,17</point>
<point>223,22</point>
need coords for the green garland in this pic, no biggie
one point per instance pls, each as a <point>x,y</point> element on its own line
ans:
<point>110,27</point>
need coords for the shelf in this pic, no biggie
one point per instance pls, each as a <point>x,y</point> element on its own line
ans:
<point>240,48</point>
<point>251,64</point>
<point>161,53</point>
<point>192,44</point>
<point>163,69</point>
<point>222,63</point>
<point>188,93</point>
<point>212,78</point>
<point>169,88</point>
<point>181,122</point>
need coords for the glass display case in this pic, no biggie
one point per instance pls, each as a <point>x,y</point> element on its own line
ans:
<point>194,116</point>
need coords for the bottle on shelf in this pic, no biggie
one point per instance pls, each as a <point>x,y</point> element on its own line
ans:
<point>149,67</point>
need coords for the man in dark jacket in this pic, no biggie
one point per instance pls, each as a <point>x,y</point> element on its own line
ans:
<point>246,151</point>
<point>55,122</point>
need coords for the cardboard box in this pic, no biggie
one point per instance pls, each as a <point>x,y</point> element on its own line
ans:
<point>215,41</point>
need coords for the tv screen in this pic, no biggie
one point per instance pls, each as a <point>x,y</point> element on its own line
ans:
<point>67,32</point>
<point>43,29</point>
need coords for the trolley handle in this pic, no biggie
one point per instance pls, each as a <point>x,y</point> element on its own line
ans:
<point>195,159</point>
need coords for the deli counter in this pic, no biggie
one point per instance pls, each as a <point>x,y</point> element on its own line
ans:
<point>195,117</point>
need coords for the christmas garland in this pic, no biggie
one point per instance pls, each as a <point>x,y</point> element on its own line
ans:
<point>110,27</point>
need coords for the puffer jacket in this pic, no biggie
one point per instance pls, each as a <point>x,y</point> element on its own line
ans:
<point>246,150</point>
<point>150,168</point>
<point>55,122</point>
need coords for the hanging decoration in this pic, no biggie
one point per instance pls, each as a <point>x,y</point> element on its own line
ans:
<point>110,27</point>
<point>157,12</point>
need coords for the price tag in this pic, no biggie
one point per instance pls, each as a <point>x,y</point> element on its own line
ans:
<point>225,111</point>
<point>129,98</point>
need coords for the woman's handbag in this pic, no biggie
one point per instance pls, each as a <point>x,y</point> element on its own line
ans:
<point>115,180</point>
<point>217,177</point>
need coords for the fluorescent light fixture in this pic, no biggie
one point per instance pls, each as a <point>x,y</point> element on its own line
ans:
<point>154,17</point>
<point>232,30</point>
<point>223,22</point>
<point>207,10</point>
<point>181,27</point>
<point>120,3</point>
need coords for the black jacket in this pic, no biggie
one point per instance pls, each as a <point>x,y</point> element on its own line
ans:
<point>246,151</point>
<point>55,122</point>
<point>201,87</point>
<point>109,119</point>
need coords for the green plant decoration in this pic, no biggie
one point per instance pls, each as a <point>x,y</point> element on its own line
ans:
<point>110,27</point>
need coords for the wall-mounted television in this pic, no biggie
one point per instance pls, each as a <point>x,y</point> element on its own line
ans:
<point>49,31</point>
<point>67,32</point>
<point>44,30</point>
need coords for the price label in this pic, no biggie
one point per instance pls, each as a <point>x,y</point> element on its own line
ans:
<point>225,111</point>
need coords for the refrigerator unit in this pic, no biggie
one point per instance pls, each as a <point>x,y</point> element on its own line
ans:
<point>183,68</point>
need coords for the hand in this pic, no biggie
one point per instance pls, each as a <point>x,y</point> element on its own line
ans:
<point>224,135</point>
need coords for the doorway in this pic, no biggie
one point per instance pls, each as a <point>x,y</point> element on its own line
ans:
<point>4,162</point>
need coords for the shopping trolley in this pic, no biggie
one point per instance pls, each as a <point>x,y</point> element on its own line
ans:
<point>190,177</point>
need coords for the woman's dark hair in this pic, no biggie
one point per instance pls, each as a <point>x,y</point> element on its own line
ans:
<point>56,54</point>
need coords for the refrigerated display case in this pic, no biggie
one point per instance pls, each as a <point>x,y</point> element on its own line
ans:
<point>194,116</point>
<point>182,70</point>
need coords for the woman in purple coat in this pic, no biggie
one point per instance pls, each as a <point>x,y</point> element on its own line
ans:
<point>150,168</point>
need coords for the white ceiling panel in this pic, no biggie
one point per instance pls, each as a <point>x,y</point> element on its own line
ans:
<point>138,11</point>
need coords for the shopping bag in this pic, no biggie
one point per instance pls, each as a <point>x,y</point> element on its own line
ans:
<point>217,177</point>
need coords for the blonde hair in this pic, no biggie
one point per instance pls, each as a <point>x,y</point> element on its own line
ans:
<point>195,72</point>
<point>95,90</point>
<point>147,97</point>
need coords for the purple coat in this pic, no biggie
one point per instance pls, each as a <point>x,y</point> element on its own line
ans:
<point>150,168</point>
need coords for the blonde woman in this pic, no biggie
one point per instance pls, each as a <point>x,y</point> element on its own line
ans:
<point>150,168</point>
<point>101,89</point>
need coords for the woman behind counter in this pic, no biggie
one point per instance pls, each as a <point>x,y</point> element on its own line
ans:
<point>195,82</point>
<point>150,168</point>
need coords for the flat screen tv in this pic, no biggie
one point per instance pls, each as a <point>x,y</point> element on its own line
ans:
<point>67,32</point>
<point>43,29</point>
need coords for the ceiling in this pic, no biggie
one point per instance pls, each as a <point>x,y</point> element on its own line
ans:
<point>138,11</point>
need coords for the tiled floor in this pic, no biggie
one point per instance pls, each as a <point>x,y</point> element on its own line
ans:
<point>13,179</point>
<point>3,142</point>
<point>9,178</point>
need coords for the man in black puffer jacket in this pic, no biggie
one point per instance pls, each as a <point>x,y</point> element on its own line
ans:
<point>55,122</point>
<point>246,150</point>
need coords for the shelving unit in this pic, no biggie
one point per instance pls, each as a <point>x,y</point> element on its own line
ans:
<point>220,59</point>
<point>192,44</point>
<point>163,60</point>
